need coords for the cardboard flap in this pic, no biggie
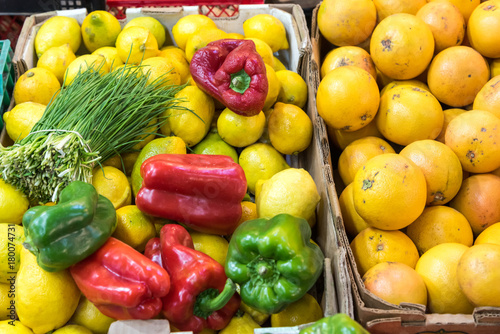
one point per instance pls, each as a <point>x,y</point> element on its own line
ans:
<point>487,315</point>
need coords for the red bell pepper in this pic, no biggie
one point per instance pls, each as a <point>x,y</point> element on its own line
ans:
<point>201,296</point>
<point>204,192</point>
<point>121,282</point>
<point>231,71</point>
<point>153,251</point>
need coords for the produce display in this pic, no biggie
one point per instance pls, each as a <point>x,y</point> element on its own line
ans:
<point>409,93</point>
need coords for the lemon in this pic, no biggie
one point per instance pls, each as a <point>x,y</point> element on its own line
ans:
<point>56,60</point>
<point>491,235</point>
<point>152,24</point>
<point>13,204</point>
<point>263,50</point>
<point>235,35</point>
<point>238,130</point>
<point>89,316</point>
<point>293,88</point>
<point>136,44</point>
<point>290,129</point>
<point>267,28</point>
<point>179,53</point>
<point>192,126</point>
<point>240,324</point>
<point>178,60</point>
<point>72,329</point>
<point>201,39</point>
<point>11,236</point>
<point>188,25</point>
<point>303,311</point>
<point>291,191</point>
<point>213,144</point>
<point>6,327</point>
<point>260,162</point>
<point>57,31</point>
<point>99,29</point>
<point>44,301</point>
<point>7,303</point>
<point>82,63</point>
<point>128,160</point>
<point>109,53</point>
<point>112,184</point>
<point>214,246</point>
<point>160,66</point>
<point>274,87</point>
<point>248,211</point>
<point>133,227</point>
<point>278,65</point>
<point>36,85</point>
<point>148,134</point>
<point>21,119</point>
<point>172,145</point>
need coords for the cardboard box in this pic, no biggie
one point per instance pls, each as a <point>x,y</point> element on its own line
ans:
<point>333,286</point>
<point>374,313</point>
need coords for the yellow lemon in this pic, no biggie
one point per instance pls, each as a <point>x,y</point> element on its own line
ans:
<point>157,67</point>
<point>100,28</point>
<point>135,44</point>
<point>133,227</point>
<point>214,246</point>
<point>13,327</point>
<point>353,222</point>
<point>494,67</point>
<point>259,317</point>
<point>189,25</point>
<point>274,87</point>
<point>278,65</point>
<point>263,50</point>
<point>152,24</point>
<point>491,235</point>
<point>147,135</point>
<point>235,35</point>
<point>293,88</point>
<point>57,60</point>
<point>179,53</point>
<point>303,311</point>
<point>110,53</point>
<point>83,63</point>
<point>201,39</point>
<point>112,184</point>
<point>89,316</point>
<point>238,130</point>
<point>36,85</point>
<point>178,60</point>
<point>57,31</point>
<point>72,329</point>
<point>13,204</point>
<point>240,324</point>
<point>248,211</point>
<point>268,29</point>
<point>125,163</point>
<point>11,241</point>
<point>21,119</point>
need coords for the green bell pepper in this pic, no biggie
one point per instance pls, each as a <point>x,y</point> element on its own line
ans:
<point>273,261</point>
<point>66,233</point>
<point>340,323</point>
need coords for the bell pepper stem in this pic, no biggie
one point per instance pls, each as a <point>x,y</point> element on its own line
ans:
<point>211,300</point>
<point>240,81</point>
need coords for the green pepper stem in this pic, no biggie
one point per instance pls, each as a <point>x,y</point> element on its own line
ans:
<point>240,81</point>
<point>211,300</point>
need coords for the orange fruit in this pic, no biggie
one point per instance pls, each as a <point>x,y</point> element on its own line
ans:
<point>389,191</point>
<point>446,22</point>
<point>372,246</point>
<point>341,138</point>
<point>388,7</point>
<point>464,6</point>
<point>382,79</point>
<point>449,114</point>
<point>346,22</point>
<point>484,20</point>
<point>353,222</point>
<point>438,268</point>
<point>478,274</point>
<point>408,113</point>
<point>441,168</point>
<point>488,97</point>
<point>457,74</point>
<point>402,46</point>
<point>438,225</point>
<point>491,235</point>
<point>478,200</point>
<point>396,83</point>
<point>348,56</point>
<point>337,92</point>
<point>396,283</point>
<point>357,153</point>
<point>474,136</point>
<point>494,67</point>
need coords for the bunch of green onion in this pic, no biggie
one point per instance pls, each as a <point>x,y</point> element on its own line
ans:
<point>94,118</point>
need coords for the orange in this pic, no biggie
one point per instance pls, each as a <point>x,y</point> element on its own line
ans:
<point>488,97</point>
<point>438,268</point>
<point>382,79</point>
<point>449,114</point>
<point>408,113</point>
<point>248,211</point>
<point>446,22</point>
<point>389,191</point>
<point>484,20</point>
<point>478,274</point>
<point>353,222</point>
<point>402,46</point>
<point>388,7</point>
<point>396,83</point>
<point>341,138</point>
<point>464,6</point>
<point>396,283</point>
<point>474,136</point>
<point>357,153</point>
<point>478,200</point>
<point>438,225</point>
<point>491,235</point>
<point>348,56</point>
<point>347,98</point>
<point>441,168</point>
<point>457,74</point>
<point>372,246</point>
<point>494,67</point>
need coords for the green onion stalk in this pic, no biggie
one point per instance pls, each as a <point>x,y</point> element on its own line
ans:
<point>90,120</point>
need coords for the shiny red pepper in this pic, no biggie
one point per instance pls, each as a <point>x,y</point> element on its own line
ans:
<point>204,192</point>
<point>231,71</point>
<point>201,296</point>
<point>121,282</point>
